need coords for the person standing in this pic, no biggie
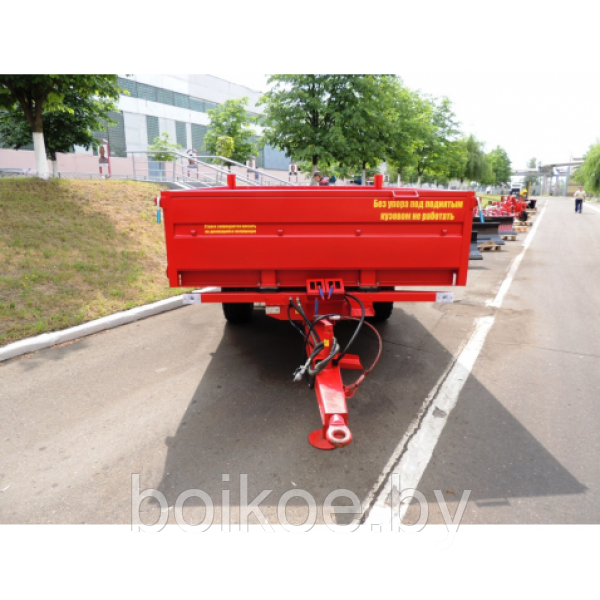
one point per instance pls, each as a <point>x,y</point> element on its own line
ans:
<point>579,198</point>
<point>318,179</point>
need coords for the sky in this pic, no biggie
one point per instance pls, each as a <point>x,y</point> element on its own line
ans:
<point>521,74</point>
<point>529,114</point>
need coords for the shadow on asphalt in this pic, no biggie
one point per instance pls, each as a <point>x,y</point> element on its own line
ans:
<point>499,461</point>
<point>248,417</point>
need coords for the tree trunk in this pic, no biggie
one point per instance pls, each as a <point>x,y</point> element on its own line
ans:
<point>419,182</point>
<point>55,168</point>
<point>39,147</point>
<point>41,163</point>
<point>364,174</point>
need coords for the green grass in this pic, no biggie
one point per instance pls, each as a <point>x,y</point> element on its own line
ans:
<point>73,251</point>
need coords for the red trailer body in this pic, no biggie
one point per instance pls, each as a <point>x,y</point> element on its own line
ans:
<point>305,251</point>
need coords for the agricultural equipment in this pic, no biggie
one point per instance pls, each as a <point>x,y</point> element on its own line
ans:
<point>474,253</point>
<point>510,206</point>
<point>314,256</point>
<point>488,231</point>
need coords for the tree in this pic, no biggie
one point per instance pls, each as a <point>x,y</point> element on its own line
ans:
<point>162,148</point>
<point>225,146</point>
<point>532,164</point>
<point>438,131</point>
<point>487,176</point>
<point>405,121</point>
<point>588,174</point>
<point>34,93</point>
<point>501,166</point>
<point>369,107</point>
<point>475,166</point>
<point>62,129</point>
<point>455,160</point>
<point>328,118</point>
<point>299,120</point>
<point>231,119</point>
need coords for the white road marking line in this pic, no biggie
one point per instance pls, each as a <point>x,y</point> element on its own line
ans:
<point>416,447</point>
<point>510,275</point>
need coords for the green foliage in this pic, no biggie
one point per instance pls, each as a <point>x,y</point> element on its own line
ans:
<point>532,164</point>
<point>231,120</point>
<point>407,125</point>
<point>73,125</point>
<point>328,169</point>
<point>455,159</point>
<point>332,119</point>
<point>225,146</point>
<point>367,107</point>
<point>436,133</point>
<point>487,176</point>
<point>302,116</point>
<point>165,143</point>
<point>474,169</point>
<point>588,174</point>
<point>34,93</point>
<point>500,164</point>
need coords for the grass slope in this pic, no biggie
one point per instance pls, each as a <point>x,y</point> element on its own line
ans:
<point>72,251</point>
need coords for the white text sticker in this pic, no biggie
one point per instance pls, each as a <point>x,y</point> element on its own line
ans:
<point>193,298</point>
<point>444,297</point>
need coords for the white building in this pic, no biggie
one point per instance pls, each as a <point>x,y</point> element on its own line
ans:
<point>175,104</point>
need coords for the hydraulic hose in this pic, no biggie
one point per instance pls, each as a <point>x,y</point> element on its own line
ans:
<point>358,328</point>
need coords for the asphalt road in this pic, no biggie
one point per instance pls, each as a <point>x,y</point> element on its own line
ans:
<point>185,400</point>
<point>524,436</point>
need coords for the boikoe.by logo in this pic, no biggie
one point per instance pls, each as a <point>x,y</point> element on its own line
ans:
<point>390,519</point>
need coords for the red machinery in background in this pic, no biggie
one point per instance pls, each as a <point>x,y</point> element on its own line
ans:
<point>509,206</point>
<point>314,256</point>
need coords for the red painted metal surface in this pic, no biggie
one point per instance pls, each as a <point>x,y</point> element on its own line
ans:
<point>331,398</point>
<point>327,250</point>
<point>283,236</point>
<point>508,206</point>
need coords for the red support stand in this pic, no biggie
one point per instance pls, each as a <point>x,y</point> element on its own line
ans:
<point>331,396</point>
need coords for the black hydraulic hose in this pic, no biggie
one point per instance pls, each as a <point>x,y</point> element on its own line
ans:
<point>317,344</point>
<point>358,328</point>
<point>310,325</point>
<point>311,328</point>
<point>292,320</point>
<point>319,366</point>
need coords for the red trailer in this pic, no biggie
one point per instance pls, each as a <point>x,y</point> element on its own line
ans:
<point>316,255</point>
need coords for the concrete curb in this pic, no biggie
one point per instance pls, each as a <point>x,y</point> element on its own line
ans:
<point>45,340</point>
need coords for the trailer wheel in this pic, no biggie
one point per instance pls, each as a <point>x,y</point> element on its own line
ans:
<point>238,313</point>
<point>383,311</point>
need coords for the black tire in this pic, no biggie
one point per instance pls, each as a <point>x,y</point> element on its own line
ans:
<point>383,311</point>
<point>238,313</point>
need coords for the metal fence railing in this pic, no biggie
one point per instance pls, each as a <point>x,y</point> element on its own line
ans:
<point>196,171</point>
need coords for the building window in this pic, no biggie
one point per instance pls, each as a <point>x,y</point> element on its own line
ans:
<point>198,133</point>
<point>147,92</point>
<point>196,104</point>
<point>115,134</point>
<point>152,129</point>
<point>181,134</point>
<point>163,96</point>
<point>181,100</point>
